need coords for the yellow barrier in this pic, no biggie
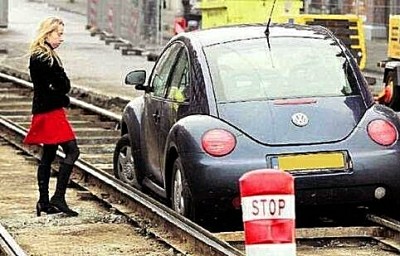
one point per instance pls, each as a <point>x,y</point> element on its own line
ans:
<point>394,38</point>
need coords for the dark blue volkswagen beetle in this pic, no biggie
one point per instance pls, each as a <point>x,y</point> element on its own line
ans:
<point>224,101</point>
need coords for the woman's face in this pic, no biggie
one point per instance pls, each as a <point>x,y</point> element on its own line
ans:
<point>55,38</point>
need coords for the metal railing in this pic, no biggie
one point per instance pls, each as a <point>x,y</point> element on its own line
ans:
<point>136,22</point>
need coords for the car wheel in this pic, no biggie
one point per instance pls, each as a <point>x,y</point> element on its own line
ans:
<point>180,193</point>
<point>391,98</point>
<point>125,167</point>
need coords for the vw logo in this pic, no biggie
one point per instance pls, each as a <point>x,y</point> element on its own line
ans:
<point>299,119</point>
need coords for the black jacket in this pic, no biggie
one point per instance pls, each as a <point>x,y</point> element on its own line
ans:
<point>50,85</point>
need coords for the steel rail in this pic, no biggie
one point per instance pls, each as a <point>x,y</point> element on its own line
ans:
<point>385,221</point>
<point>391,235</point>
<point>182,234</point>
<point>155,217</point>
<point>74,101</point>
<point>386,233</point>
<point>8,246</point>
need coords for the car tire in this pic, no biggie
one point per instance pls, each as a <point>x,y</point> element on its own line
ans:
<point>181,199</point>
<point>125,167</point>
<point>392,101</point>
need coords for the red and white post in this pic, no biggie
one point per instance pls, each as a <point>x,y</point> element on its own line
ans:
<point>268,206</point>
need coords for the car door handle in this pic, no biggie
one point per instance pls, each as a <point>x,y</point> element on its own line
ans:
<point>156,117</point>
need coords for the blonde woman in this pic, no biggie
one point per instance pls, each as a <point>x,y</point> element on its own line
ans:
<point>49,125</point>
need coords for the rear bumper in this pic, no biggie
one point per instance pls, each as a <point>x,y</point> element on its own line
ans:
<point>364,195</point>
<point>215,184</point>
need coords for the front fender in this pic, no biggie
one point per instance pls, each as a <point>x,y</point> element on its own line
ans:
<point>131,116</point>
<point>131,121</point>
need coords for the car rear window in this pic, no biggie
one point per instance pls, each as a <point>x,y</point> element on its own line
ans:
<point>293,67</point>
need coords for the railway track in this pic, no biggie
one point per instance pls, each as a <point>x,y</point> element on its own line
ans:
<point>97,134</point>
<point>8,246</point>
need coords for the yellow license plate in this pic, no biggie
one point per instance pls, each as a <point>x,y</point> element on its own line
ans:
<point>314,161</point>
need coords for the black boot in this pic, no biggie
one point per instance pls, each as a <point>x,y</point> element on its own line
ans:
<point>58,200</point>
<point>43,178</point>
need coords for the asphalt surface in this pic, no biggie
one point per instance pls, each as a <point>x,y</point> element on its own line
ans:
<point>90,63</point>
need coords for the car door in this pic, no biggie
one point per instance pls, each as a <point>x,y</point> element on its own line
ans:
<point>152,110</point>
<point>177,100</point>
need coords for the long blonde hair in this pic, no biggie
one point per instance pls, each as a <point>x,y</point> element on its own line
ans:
<point>39,47</point>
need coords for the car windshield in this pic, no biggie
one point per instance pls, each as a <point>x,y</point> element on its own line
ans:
<point>294,67</point>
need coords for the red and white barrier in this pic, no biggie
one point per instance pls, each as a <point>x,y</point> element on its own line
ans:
<point>268,206</point>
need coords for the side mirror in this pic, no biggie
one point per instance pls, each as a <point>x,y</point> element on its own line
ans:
<point>141,87</point>
<point>137,77</point>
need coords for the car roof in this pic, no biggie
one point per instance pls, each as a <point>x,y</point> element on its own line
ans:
<point>224,34</point>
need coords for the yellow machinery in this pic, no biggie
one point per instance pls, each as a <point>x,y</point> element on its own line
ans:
<point>390,95</point>
<point>348,28</point>
<point>394,37</point>
<point>223,12</point>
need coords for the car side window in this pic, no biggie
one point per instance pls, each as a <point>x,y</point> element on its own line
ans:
<point>179,87</point>
<point>162,70</point>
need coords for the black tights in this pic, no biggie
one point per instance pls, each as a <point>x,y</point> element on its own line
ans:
<point>70,149</point>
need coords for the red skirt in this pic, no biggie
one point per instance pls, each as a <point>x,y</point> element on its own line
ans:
<point>49,128</point>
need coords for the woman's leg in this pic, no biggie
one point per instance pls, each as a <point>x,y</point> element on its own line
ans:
<point>72,152</point>
<point>43,178</point>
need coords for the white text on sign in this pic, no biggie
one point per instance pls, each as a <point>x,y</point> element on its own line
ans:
<point>268,207</point>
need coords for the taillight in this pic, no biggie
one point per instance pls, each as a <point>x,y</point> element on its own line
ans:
<point>382,132</point>
<point>218,142</point>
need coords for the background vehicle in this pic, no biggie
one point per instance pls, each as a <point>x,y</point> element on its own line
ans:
<point>234,12</point>
<point>207,14</point>
<point>220,102</point>
<point>390,96</point>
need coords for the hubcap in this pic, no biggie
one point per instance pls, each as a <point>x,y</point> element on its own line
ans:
<point>179,203</point>
<point>126,165</point>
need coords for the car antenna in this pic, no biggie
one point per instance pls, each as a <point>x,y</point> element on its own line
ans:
<point>266,32</point>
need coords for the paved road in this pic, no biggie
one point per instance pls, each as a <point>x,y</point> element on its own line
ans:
<point>89,62</point>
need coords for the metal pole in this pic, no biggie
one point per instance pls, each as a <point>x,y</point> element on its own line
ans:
<point>159,21</point>
<point>305,6</point>
<point>357,4</point>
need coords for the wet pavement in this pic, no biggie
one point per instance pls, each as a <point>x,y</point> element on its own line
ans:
<point>90,63</point>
